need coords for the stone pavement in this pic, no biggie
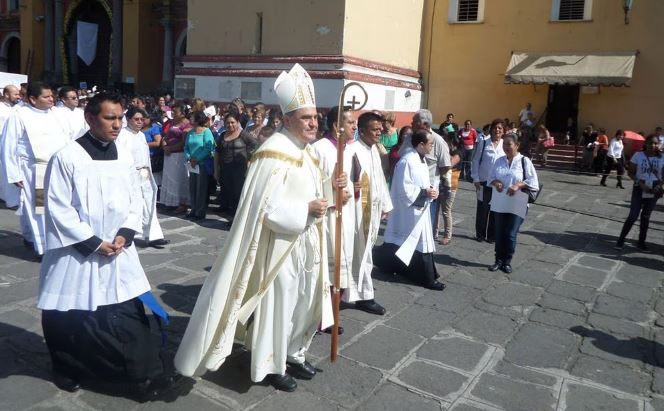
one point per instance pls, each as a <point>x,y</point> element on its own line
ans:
<point>576,326</point>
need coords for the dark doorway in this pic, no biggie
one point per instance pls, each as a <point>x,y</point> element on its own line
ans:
<point>98,72</point>
<point>562,108</point>
<point>14,55</point>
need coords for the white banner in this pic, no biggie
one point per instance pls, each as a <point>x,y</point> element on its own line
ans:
<point>86,41</point>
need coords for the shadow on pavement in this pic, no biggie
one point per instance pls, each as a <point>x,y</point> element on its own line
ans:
<point>180,297</point>
<point>11,245</point>
<point>235,373</point>
<point>638,348</point>
<point>25,353</point>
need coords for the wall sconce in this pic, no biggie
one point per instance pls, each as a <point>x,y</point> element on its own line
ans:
<point>408,94</point>
<point>627,7</point>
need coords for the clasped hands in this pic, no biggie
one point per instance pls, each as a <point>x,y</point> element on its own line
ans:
<point>510,190</point>
<point>112,249</point>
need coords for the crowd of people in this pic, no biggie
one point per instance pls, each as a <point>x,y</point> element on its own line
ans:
<point>88,172</point>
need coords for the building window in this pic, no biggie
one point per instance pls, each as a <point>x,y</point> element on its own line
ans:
<point>571,10</point>
<point>251,90</point>
<point>466,11</point>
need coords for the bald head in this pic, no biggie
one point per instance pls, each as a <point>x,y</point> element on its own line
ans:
<point>11,94</point>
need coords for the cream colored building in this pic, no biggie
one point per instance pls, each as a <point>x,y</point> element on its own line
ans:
<point>238,51</point>
<point>570,44</point>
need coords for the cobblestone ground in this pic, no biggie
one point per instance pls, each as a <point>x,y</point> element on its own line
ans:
<point>576,326</point>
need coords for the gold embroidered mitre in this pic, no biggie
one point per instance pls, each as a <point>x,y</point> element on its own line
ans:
<point>295,90</point>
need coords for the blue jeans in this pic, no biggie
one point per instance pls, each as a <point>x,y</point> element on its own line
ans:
<point>433,209</point>
<point>506,226</point>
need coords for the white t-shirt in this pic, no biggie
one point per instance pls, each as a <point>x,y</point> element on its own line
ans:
<point>648,169</point>
<point>615,148</point>
<point>525,115</point>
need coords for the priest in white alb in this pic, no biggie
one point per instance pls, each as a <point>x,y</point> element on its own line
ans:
<point>409,244</point>
<point>132,138</point>
<point>9,193</point>
<point>71,115</point>
<point>92,288</point>
<point>33,133</point>
<point>372,204</point>
<point>269,286</point>
<point>326,149</point>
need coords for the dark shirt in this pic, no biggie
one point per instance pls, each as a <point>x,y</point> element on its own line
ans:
<point>100,151</point>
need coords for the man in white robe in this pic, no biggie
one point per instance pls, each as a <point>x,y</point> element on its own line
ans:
<point>269,287</point>
<point>70,113</point>
<point>9,193</point>
<point>133,139</point>
<point>409,243</point>
<point>92,287</point>
<point>31,136</point>
<point>372,204</point>
<point>326,149</point>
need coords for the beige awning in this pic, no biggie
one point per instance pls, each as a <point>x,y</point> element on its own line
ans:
<point>590,69</point>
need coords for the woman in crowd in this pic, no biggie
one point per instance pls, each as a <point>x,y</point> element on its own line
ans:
<point>615,158</point>
<point>199,151</point>
<point>174,185</point>
<point>152,131</point>
<point>469,137</point>
<point>510,175</point>
<point>601,148</point>
<point>645,168</point>
<point>276,120</point>
<point>544,143</point>
<point>257,117</point>
<point>487,151</point>
<point>447,194</point>
<point>405,133</point>
<point>234,150</point>
<point>389,136</point>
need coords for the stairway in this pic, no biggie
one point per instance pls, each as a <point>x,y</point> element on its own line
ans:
<point>563,156</point>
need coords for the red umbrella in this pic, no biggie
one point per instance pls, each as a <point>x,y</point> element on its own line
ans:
<point>633,142</point>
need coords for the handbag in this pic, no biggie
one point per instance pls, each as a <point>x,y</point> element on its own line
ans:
<point>157,161</point>
<point>532,194</point>
<point>549,142</point>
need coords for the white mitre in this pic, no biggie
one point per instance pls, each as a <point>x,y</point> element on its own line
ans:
<point>295,90</point>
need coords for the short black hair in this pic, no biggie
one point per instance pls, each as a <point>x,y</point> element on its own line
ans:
<point>333,114</point>
<point>233,113</point>
<point>131,112</point>
<point>94,104</point>
<point>62,93</point>
<point>420,136</point>
<point>366,118</point>
<point>35,88</point>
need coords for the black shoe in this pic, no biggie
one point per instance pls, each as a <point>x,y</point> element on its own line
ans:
<point>479,239</point>
<point>189,215</point>
<point>619,245</point>
<point>303,371</point>
<point>282,382</point>
<point>328,330</point>
<point>28,244</point>
<point>152,389</point>
<point>436,285</point>
<point>159,244</point>
<point>643,246</point>
<point>370,306</point>
<point>619,185</point>
<point>496,266</point>
<point>65,383</point>
<point>506,268</point>
<point>602,183</point>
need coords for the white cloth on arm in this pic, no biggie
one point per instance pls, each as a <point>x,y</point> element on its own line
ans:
<point>411,176</point>
<point>510,174</point>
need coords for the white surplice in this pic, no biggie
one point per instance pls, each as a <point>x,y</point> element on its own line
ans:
<point>327,154</point>
<point>9,193</point>
<point>74,120</point>
<point>136,144</point>
<point>85,197</point>
<point>31,136</point>
<point>411,176</point>
<point>374,200</point>
<point>272,269</point>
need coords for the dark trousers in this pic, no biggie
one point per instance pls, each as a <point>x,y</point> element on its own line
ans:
<point>421,269</point>
<point>610,164</point>
<point>598,162</point>
<point>484,218</point>
<point>465,168</point>
<point>506,227</point>
<point>641,205</point>
<point>114,343</point>
<point>434,207</point>
<point>199,192</point>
